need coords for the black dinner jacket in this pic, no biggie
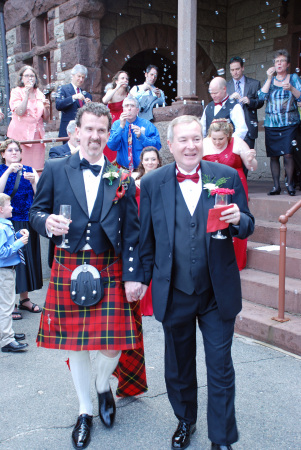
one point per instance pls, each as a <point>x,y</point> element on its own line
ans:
<point>59,151</point>
<point>62,183</point>
<point>251,89</point>
<point>64,103</point>
<point>157,233</point>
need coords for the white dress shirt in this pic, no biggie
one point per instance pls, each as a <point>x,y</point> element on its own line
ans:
<point>191,191</point>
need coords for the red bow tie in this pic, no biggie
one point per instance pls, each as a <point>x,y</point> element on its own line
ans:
<point>194,177</point>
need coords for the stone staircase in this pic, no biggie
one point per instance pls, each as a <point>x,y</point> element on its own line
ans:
<point>260,278</point>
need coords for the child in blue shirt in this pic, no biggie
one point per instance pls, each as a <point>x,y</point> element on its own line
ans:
<point>10,255</point>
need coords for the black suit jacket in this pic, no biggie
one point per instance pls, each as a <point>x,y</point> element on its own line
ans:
<point>64,103</point>
<point>62,182</point>
<point>157,232</point>
<point>251,89</point>
<point>59,151</point>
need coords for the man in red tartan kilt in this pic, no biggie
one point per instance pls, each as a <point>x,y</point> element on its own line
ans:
<point>103,233</point>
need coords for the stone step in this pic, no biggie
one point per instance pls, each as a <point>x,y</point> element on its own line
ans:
<point>262,288</point>
<point>269,208</point>
<point>255,321</point>
<point>268,261</point>
<point>268,233</point>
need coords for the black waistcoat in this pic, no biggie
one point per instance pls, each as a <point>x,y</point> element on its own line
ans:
<point>93,233</point>
<point>190,265</point>
<point>224,112</point>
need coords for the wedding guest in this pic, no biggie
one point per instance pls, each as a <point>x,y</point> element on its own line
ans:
<point>19,181</point>
<point>281,91</point>
<point>113,98</point>
<point>30,109</point>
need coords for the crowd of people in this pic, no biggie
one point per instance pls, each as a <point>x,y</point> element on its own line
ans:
<point>137,240</point>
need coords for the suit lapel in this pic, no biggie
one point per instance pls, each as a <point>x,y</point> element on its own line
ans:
<point>207,202</point>
<point>76,180</point>
<point>168,192</point>
<point>109,192</point>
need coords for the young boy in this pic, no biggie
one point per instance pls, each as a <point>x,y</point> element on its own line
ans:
<point>10,256</point>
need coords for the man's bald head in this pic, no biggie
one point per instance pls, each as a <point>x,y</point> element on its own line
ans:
<point>218,89</point>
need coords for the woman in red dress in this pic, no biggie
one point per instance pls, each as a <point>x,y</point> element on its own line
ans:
<point>149,160</point>
<point>114,98</point>
<point>222,148</point>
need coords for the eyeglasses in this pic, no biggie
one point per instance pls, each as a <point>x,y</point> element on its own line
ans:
<point>11,150</point>
<point>29,76</point>
<point>280,60</point>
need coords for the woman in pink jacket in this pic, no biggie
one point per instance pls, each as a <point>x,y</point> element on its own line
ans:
<point>30,109</point>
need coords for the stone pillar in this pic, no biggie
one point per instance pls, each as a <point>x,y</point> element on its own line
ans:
<point>187,26</point>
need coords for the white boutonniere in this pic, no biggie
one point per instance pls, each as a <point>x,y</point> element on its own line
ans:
<point>111,173</point>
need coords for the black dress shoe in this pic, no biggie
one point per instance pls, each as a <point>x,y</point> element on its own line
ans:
<point>81,432</point>
<point>19,337</point>
<point>275,191</point>
<point>220,447</point>
<point>291,191</point>
<point>107,408</point>
<point>181,437</point>
<point>14,346</point>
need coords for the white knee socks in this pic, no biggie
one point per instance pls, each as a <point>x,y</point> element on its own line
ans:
<point>80,366</point>
<point>105,366</point>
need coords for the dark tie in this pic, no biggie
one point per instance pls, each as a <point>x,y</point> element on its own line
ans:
<point>84,164</point>
<point>20,252</point>
<point>238,88</point>
<point>194,177</point>
<point>79,101</point>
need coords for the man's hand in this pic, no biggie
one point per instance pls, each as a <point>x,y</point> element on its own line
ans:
<point>79,96</point>
<point>231,215</point>
<point>157,92</point>
<point>136,130</point>
<point>134,290</point>
<point>123,118</point>
<point>146,87</point>
<point>244,100</point>
<point>87,100</point>
<point>57,225</point>
<point>235,95</point>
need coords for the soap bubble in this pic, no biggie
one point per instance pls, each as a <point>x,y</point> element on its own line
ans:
<point>45,76</point>
<point>221,71</point>
<point>106,60</point>
<point>294,143</point>
<point>44,58</point>
<point>278,25</point>
<point>9,60</point>
<point>297,69</point>
<point>117,51</point>
<point>216,12</point>
<point>63,64</point>
<point>262,30</point>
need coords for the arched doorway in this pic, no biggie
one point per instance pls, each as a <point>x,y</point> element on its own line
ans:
<point>149,43</point>
<point>167,77</point>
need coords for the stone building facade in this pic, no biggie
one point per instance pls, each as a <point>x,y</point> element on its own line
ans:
<point>106,36</point>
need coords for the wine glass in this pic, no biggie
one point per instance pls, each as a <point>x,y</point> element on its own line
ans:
<point>220,200</point>
<point>65,211</point>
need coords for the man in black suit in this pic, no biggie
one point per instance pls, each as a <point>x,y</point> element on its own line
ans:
<point>70,146</point>
<point>103,234</point>
<point>71,97</point>
<point>245,90</point>
<point>194,277</point>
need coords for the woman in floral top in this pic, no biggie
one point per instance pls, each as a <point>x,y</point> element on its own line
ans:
<point>281,91</point>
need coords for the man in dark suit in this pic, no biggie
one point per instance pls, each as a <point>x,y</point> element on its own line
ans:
<point>70,146</point>
<point>71,97</point>
<point>245,90</point>
<point>103,234</point>
<point>194,277</point>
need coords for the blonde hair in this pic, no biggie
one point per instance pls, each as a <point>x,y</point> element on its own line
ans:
<point>3,199</point>
<point>221,125</point>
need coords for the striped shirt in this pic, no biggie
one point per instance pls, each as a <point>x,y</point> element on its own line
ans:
<point>281,105</point>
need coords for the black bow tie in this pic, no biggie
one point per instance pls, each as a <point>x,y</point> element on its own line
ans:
<point>84,164</point>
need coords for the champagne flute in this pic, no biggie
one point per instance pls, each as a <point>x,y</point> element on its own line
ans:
<point>65,211</point>
<point>220,200</point>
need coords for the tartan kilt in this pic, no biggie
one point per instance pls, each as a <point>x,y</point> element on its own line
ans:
<point>108,325</point>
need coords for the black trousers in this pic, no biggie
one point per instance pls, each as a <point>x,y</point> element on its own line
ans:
<point>180,362</point>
